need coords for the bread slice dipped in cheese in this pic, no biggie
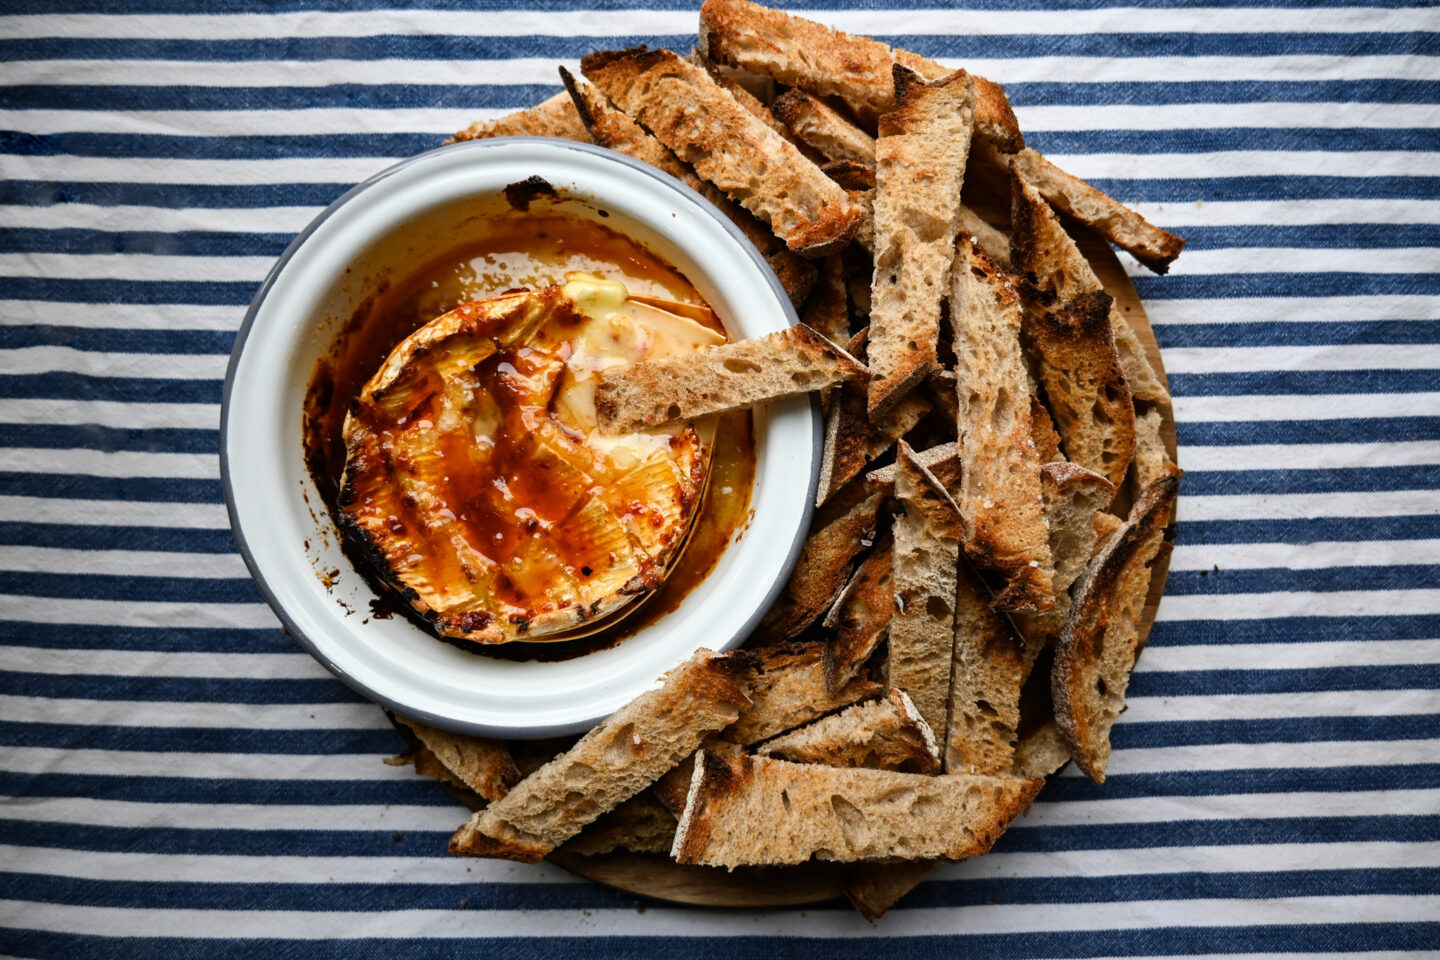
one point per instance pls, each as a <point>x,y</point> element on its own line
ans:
<point>477,484</point>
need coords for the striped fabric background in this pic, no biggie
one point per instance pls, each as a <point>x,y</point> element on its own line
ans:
<point>177,779</point>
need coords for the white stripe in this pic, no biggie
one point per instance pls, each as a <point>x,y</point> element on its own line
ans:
<point>1298,260</point>
<point>1294,309</point>
<point>1164,658</point>
<point>1250,506</point>
<point>170,170</point>
<point>136,613</point>
<point>1266,606</point>
<point>122,563</point>
<point>97,463</point>
<point>1304,556</point>
<point>119,316</point>
<point>621,23</point>
<point>442,121</point>
<point>1261,756</point>
<point>237,816</point>
<point>467,871</point>
<point>120,513</point>
<point>209,716</point>
<point>1234,213</point>
<point>164,366</point>
<point>167,663</point>
<point>1365,356</point>
<point>1343,406</point>
<point>1275,706</point>
<point>291,73</point>
<point>1262,806</point>
<point>219,868</point>
<point>697,922</point>
<point>1310,456</point>
<point>113,413</point>
<point>1244,163</point>
<point>134,266</point>
<point>85,216</point>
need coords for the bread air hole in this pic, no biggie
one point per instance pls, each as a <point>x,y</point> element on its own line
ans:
<point>621,746</point>
<point>739,366</point>
<point>853,826</point>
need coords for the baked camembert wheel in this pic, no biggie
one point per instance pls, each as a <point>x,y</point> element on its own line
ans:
<point>477,484</point>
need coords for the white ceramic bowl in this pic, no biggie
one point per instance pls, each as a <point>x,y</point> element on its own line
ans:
<point>287,537</point>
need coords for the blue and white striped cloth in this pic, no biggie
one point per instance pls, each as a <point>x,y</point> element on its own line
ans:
<point>178,779</point>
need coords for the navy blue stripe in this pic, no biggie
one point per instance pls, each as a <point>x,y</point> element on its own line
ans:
<point>62,586</point>
<point>1280,579</point>
<point>196,243</point>
<point>1018,839</point>
<point>108,637</point>
<point>1131,735</point>
<point>1270,334</point>
<point>1296,630</point>
<point>1309,680</point>
<point>119,341</point>
<point>1176,940</point>
<point>325,690</point>
<point>204,293</point>
<point>1313,530</point>
<point>1205,783</point>
<point>378,743</point>
<point>493,96</point>
<point>344,897</point>
<point>178,689</point>
<point>138,489</point>
<point>81,386</point>
<point>90,436</point>
<point>1183,190</point>
<point>1366,429</point>
<point>409,790</point>
<point>92,537</point>
<point>398,145</point>
<point>1303,382</point>
<point>1220,286</point>
<point>967,45</point>
<point>1331,480</point>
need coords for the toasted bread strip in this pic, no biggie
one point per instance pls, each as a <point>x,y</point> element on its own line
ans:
<point>805,54</point>
<point>762,171</point>
<point>927,549</point>
<point>823,128</point>
<point>789,691</point>
<point>995,244</point>
<point>1124,227</point>
<point>1050,258</point>
<point>1077,365</point>
<point>752,104</point>
<point>884,734</point>
<point>987,672</point>
<point>877,887</point>
<point>1152,460</point>
<point>1105,526</point>
<point>614,129</point>
<point>758,810</point>
<point>920,166</point>
<point>484,766</point>
<point>860,617</point>
<point>827,312</point>
<point>725,377</point>
<point>1073,495</point>
<point>613,762</point>
<point>823,568</point>
<point>1042,431</point>
<point>555,117</point>
<point>945,456</point>
<point>1098,645</point>
<point>999,492</point>
<point>641,824</point>
<point>1041,752</point>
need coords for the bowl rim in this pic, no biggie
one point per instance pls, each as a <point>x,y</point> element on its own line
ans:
<point>242,336</point>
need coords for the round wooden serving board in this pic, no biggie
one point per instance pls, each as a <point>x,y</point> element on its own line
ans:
<point>660,878</point>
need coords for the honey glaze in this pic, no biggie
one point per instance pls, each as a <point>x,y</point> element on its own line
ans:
<point>523,471</point>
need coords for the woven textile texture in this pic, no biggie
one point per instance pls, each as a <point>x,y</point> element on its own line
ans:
<point>179,779</point>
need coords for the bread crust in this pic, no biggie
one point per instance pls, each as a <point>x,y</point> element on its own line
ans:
<point>883,734</point>
<point>615,130</point>
<point>789,691</point>
<point>702,123</point>
<point>554,117</point>
<point>860,616</point>
<point>823,128</point>
<point>920,168</point>
<point>1100,641</point>
<point>478,763</point>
